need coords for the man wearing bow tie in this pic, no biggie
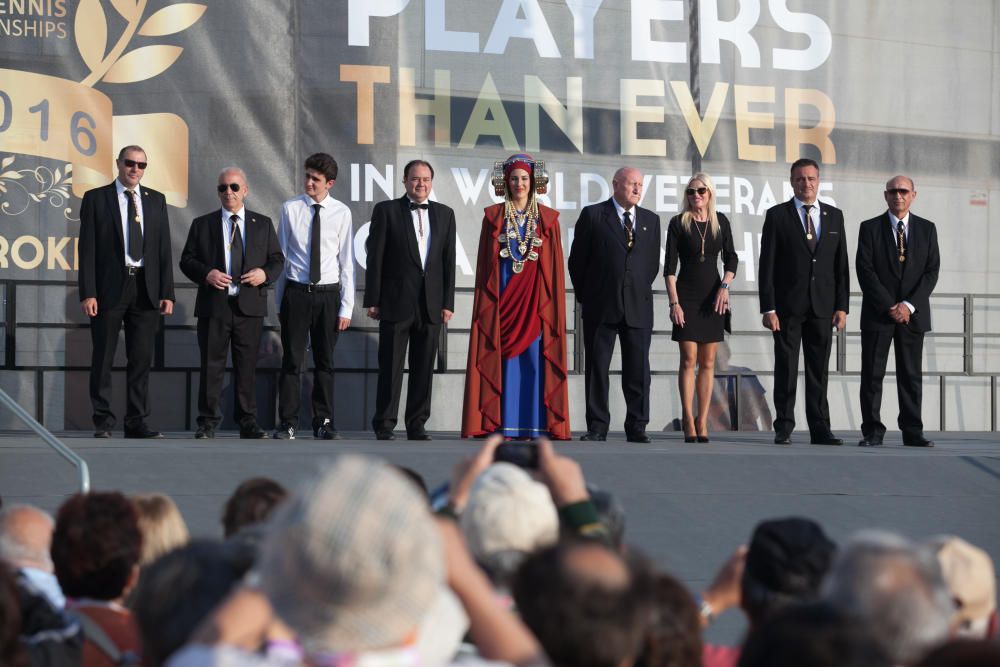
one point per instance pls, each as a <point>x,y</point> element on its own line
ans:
<point>897,264</point>
<point>804,286</point>
<point>410,290</point>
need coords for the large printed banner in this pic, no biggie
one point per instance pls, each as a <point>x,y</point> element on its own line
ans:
<point>737,88</point>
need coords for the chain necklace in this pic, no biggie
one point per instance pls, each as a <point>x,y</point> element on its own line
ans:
<point>526,241</point>
<point>702,234</point>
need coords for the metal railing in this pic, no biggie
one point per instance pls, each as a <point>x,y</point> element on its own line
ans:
<point>969,337</point>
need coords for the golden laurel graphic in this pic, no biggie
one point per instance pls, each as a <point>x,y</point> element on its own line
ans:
<point>50,117</point>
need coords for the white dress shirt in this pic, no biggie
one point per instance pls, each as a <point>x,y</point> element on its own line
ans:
<point>123,207</point>
<point>241,226</point>
<point>336,245</point>
<point>813,213</point>
<point>421,229</point>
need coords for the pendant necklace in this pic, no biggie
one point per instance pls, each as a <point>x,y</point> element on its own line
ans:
<point>697,224</point>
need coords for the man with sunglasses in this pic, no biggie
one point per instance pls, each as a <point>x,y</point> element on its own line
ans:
<point>233,256</point>
<point>126,277</point>
<point>804,287</point>
<point>897,265</point>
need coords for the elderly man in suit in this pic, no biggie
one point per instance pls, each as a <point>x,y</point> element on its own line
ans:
<point>897,265</point>
<point>804,286</point>
<point>126,277</point>
<point>410,290</point>
<point>614,260</point>
<point>233,256</point>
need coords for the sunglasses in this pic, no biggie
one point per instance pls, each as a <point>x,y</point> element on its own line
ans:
<point>898,191</point>
<point>133,163</point>
<point>691,191</point>
<point>235,187</point>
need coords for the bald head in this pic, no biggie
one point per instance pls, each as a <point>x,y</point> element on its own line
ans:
<point>25,537</point>
<point>627,187</point>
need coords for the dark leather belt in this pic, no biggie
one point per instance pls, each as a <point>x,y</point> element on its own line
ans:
<point>133,270</point>
<point>308,287</point>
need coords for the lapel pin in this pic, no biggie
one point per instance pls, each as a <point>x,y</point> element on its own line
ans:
<point>643,229</point>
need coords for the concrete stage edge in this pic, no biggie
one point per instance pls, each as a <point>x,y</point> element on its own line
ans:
<point>688,505</point>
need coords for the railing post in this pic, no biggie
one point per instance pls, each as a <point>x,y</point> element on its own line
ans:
<point>967,337</point>
<point>577,337</point>
<point>10,324</point>
<point>941,402</point>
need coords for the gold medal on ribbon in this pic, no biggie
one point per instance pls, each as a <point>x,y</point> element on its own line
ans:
<point>902,258</point>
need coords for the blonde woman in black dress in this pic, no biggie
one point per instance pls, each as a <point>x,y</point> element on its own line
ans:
<point>699,300</point>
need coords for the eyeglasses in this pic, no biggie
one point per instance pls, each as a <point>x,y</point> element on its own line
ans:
<point>691,191</point>
<point>898,191</point>
<point>133,163</point>
<point>235,187</point>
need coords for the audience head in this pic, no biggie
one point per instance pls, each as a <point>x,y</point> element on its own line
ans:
<point>353,561</point>
<point>179,590</point>
<point>611,513</point>
<point>162,526</point>
<point>12,653</point>
<point>508,516</point>
<point>964,653</point>
<point>585,603</point>
<point>968,573</point>
<point>896,588</point>
<point>415,477</point>
<point>252,502</point>
<point>673,633</point>
<point>26,537</point>
<point>813,634</point>
<point>96,545</point>
<point>785,564</point>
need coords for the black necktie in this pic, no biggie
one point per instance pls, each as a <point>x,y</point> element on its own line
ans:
<point>235,249</point>
<point>629,233</point>
<point>314,242</point>
<point>901,240</point>
<point>810,230</point>
<point>134,228</point>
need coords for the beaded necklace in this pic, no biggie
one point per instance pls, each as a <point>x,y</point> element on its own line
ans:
<point>526,242</point>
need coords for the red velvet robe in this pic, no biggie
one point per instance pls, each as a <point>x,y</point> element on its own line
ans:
<point>481,413</point>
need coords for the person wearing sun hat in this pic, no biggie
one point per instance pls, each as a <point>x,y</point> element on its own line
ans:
<point>515,382</point>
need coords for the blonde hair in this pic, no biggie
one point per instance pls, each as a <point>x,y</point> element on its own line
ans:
<point>687,216</point>
<point>162,526</point>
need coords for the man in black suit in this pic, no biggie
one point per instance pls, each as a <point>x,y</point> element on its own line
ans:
<point>233,256</point>
<point>410,290</point>
<point>804,287</point>
<point>897,264</point>
<point>613,263</point>
<point>126,276</point>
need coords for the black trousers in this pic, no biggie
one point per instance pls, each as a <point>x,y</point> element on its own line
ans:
<point>308,316</point>
<point>393,338</point>
<point>815,336</point>
<point>216,337</point>
<point>599,346</point>
<point>909,348</point>
<point>141,319</point>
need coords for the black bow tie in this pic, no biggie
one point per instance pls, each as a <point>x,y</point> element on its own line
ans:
<point>414,205</point>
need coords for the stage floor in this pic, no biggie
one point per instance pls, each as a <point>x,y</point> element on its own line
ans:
<point>688,505</point>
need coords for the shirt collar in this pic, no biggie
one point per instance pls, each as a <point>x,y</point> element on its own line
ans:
<point>310,201</point>
<point>905,220</point>
<point>621,209</point>
<point>241,213</point>
<point>120,187</point>
<point>799,204</point>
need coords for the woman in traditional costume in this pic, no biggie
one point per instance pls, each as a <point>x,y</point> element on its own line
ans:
<point>515,382</point>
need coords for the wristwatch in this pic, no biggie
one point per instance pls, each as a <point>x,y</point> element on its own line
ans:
<point>724,285</point>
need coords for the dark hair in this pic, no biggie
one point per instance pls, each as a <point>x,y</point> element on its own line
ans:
<point>179,590</point>
<point>12,653</point>
<point>673,633</point>
<point>324,164</point>
<point>814,634</point>
<point>252,502</point>
<point>95,545</point>
<point>964,653</point>
<point>129,149</point>
<point>580,620</point>
<point>416,163</point>
<point>803,162</point>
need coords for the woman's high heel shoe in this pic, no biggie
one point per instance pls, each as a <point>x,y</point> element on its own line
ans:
<point>692,437</point>
<point>702,438</point>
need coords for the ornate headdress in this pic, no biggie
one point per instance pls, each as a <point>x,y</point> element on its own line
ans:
<point>535,169</point>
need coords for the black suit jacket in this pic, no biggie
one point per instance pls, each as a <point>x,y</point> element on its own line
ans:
<point>793,280</point>
<point>885,281</point>
<point>395,276</point>
<point>102,247</point>
<point>205,250</point>
<point>612,283</point>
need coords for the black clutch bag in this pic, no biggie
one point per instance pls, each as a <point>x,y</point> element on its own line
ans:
<point>729,320</point>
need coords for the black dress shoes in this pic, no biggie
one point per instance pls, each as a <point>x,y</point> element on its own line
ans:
<point>423,436</point>
<point>782,438</point>
<point>142,432</point>
<point>252,432</point>
<point>826,439</point>
<point>102,433</point>
<point>870,441</point>
<point>385,435</point>
<point>593,436</point>
<point>922,442</point>
<point>638,436</point>
<point>204,433</point>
